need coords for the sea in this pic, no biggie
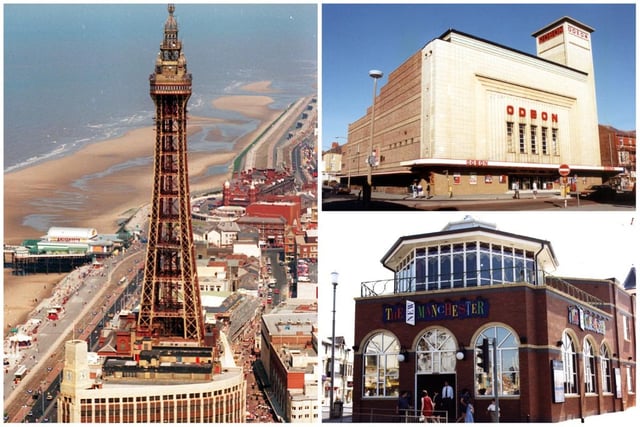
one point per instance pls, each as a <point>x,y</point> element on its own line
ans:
<point>75,74</point>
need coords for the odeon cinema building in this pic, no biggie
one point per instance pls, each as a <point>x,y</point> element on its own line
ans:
<point>467,115</point>
<point>559,347</point>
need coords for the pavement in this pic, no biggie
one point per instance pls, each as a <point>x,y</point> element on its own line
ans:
<point>621,418</point>
<point>545,200</point>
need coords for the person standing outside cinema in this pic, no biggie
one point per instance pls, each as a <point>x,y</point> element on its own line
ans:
<point>448,401</point>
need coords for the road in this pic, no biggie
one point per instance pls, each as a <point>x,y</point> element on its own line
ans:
<point>264,152</point>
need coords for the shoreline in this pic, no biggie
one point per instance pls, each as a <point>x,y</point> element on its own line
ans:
<point>100,183</point>
<point>95,185</point>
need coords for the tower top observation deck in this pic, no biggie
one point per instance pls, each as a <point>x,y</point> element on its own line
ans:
<point>170,76</point>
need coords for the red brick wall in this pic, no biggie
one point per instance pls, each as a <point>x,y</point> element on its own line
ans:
<point>538,318</point>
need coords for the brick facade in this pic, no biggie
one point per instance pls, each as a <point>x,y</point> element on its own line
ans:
<point>534,317</point>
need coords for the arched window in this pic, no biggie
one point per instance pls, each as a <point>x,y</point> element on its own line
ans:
<point>435,352</point>
<point>508,365</point>
<point>570,364</point>
<point>589,358</point>
<point>380,365</point>
<point>605,368</point>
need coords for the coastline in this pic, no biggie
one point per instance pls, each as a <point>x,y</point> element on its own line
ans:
<point>100,183</point>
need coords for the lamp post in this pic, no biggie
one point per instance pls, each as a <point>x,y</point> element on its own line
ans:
<point>334,282</point>
<point>366,194</point>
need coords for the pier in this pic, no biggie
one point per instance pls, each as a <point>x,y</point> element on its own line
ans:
<point>22,262</point>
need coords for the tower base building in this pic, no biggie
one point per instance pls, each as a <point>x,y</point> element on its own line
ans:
<point>160,385</point>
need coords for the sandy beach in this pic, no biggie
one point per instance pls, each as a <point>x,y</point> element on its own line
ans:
<point>101,183</point>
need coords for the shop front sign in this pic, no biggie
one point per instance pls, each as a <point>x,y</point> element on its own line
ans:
<point>414,312</point>
<point>587,320</point>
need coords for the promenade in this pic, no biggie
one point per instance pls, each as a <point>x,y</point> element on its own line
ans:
<point>83,296</point>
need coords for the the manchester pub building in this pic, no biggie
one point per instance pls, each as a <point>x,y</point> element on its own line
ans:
<point>560,347</point>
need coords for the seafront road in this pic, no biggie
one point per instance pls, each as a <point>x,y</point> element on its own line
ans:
<point>95,292</point>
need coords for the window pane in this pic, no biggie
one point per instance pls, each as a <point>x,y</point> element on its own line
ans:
<point>445,271</point>
<point>496,265</point>
<point>507,363</point>
<point>381,366</point>
<point>508,268</point>
<point>485,269</point>
<point>433,272</point>
<point>420,274</point>
<point>458,270</point>
<point>472,269</point>
<point>520,270</point>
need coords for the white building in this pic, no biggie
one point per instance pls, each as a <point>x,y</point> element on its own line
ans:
<point>343,371</point>
<point>469,116</point>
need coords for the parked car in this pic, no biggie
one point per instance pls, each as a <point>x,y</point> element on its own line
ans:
<point>598,192</point>
<point>342,189</point>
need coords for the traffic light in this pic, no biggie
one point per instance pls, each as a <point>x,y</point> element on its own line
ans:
<point>483,355</point>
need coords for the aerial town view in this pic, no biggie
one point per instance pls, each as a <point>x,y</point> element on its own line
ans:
<point>161,254</point>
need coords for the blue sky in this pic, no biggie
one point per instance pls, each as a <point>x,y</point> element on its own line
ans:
<point>359,37</point>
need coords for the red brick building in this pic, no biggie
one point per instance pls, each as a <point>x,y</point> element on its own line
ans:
<point>290,211</point>
<point>618,149</point>
<point>564,347</point>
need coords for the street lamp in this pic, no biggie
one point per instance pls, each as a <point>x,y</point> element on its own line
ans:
<point>334,282</point>
<point>366,196</point>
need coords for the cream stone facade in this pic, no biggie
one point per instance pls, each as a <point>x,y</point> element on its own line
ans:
<point>467,116</point>
<point>87,396</point>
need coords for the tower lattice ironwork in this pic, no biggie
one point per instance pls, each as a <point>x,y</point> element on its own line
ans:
<point>170,308</point>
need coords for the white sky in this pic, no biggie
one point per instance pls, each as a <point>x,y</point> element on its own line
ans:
<point>597,245</point>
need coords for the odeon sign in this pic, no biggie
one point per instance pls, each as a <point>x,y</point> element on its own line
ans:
<point>533,114</point>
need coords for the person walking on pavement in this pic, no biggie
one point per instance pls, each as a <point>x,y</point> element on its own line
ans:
<point>426,410</point>
<point>402,409</point>
<point>468,417</point>
<point>493,411</point>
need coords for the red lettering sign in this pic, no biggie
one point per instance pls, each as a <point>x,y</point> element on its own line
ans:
<point>474,162</point>
<point>533,114</point>
<point>578,33</point>
<point>551,34</point>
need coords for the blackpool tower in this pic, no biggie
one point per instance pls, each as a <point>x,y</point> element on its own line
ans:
<point>170,307</point>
